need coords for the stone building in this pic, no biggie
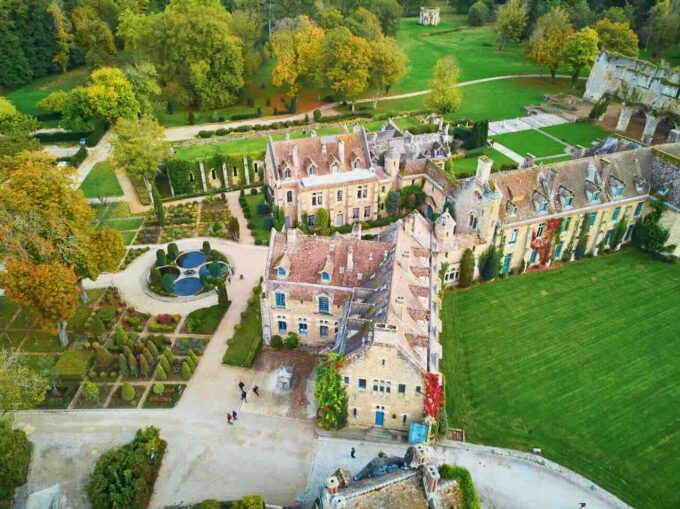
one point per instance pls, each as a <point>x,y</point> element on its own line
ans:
<point>349,174</point>
<point>429,16</point>
<point>640,87</point>
<point>411,482</point>
<point>374,301</point>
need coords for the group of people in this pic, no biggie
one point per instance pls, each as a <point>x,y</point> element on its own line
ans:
<point>232,416</point>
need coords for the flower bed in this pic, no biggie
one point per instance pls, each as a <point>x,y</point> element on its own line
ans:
<point>183,345</point>
<point>132,255</point>
<point>167,399</point>
<point>61,398</point>
<point>148,235</point>
<point>164,323</point>
<point>134,320</point>
<point>104,391</point>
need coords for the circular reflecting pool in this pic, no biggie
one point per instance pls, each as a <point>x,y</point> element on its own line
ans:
<point>188,286</point>
<point>191,259</point>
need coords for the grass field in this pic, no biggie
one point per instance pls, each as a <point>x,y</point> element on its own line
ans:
<point>524,142</point>
<point>577,133</point>
<point>101,182</point>
<point>467,166</point>
<point>243,345</point>
<point>582,362</point>
<point>26,98</point>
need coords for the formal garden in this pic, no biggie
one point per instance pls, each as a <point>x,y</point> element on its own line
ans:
<point>117,357</point>
<point>578,361</point>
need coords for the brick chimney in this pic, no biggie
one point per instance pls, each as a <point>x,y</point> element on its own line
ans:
<point>341,153</point>
<point>430,479</point>
<point>350,259</point>
<point>294,153</point>
<point>332,485</point>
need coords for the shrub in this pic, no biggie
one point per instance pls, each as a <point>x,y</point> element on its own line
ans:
<point>160,373</point>
<point>151,346</point>
<point>209,504</point>
<point>97,328</point>
<point>477,14</point>
<point>147,354</point>
<point>186,371</point>
<point>125,477</point>
<point>206,248</point>
<point>190,362</point>
<point>133,366</point>
<point>127,392</point>
<point>122,364</point>
<point>15,458</point>
<point>263,208</point>
<point>103,358</point>
<point>467,268</point>
<point>317,114</point>
<point>167,353</point>
<point>90,391</point>
<point>192,118</point>
<point>161,258</point>
<point>276,342</point>
<point>292,341</point>
<point>173,251</point>
<point>144,367</point>
<point>467,487</point>
<point>193,356</point>
<point>253,191</point>
<point>73,366</point>
<point>157,388</point>
<point>155,277</point>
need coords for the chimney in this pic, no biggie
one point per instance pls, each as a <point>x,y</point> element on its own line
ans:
<point>605,168</point>
<point>294,153</point>
<point>324,150</point>
<point>398,306</point>
<point>291,237</point>
<point>356,231</point>
<point>332,485</point>
<point>341,153</point>
<point>483,169</point>
<point>431,479</point>
<point>350,259</point>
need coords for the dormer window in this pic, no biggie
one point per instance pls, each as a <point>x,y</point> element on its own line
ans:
<point>663,190</point>
<point>639,184</point>
<point>281,272</point>
<point>566,198</point>
<point>325,277</point>
<point>355,164</point>
<point>511,209</point>
<point>286,174</point>
<point>595,197</point>
<point>615,187</point>
<point>540,203</point>
<point>311,169</point>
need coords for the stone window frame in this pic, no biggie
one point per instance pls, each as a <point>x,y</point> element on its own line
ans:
<point>365,383</point>
<point>325,277</point>
<point>280,296</point>
<point>281,272</point>
<point>401,392</point>
<point>289,196</point>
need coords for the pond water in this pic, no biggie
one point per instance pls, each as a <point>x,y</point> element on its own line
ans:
<point>188,286</point>
<point>224,267</point>
<point>191,260</point>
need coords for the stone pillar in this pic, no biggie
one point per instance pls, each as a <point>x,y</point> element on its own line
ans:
<point>529,161</point>
<point>246,171</point>
<point>202,169</point>
<point>225,177</point>
<point>673,136</point>
<point>651,122</point>
<point>624,117</point>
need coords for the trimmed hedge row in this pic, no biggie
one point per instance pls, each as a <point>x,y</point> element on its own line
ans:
<point>467,487</point>
<point>73,366</point>
<point>91,137</point>
<point>76,159</point>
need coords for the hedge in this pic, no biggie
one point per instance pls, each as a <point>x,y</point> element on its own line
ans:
<point>91,137</point>
<point>467,487</point>
<point>73,366</point>
<point>76,159</point>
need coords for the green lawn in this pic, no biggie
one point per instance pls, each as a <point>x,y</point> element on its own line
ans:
<point>101,182</point>
<point>475,49</point>
<point>467,166</point>
<point>204,320</point>
<point>525,142</point>
<point>123,224</point>
<point>582,362</point>
<point>577,133</point>
<point>243,345</point>
<point>259,232</point>
<point>26,98</point>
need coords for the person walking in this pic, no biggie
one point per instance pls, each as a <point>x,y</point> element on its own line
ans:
<point>233,414</point>
<point>256,390</point>
<point>244,396</point>
<point>229,418</point>
<point>352,452</point>
<point>241,385</point>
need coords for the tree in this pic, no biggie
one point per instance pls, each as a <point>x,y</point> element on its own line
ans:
<point>62,36</point>
<point>548,39</point>
<point>246,27</point>
<point>167,283</point>
<point>322,222</point>
<point>103,358</point>
<point>331,393</point>
<point>111,95</point>
<point>48,289</point>
<point>489,263</point>
<point>139,148</point>
<point>388,12</point>
<point>392,203</point>
<point>222,295</point>
<point>617,37</point>
<point>363,23</point>
<point>663,27</point>
<point>345,64</point>
<point>467,269</point>
<point>15,130</point>
<point>161,258</point>
<point>144,80</point>
<point>292,341</point>
<point>120,336</point>
<point>21,388</point>
<point>580,51</point>
<point>158,205</point>
<point>193,47</point>
<point>78,114</point>
<point>106,249</point>
<point>185,371</point>
<point>92,34</point>
<point>649,235</point>
<point>478,14</point>
<point>411,197</point>
<point>15,459</point>
<point>297,51</point>
<point>90,391</point>
<point>580,14</point>
<point>445,96</point>
<point>618,233</point>
<point>512,20</point>
<point>233,228</point>
<point>127,392</point>
<point>173,251</point>
<point>388,65</point>
<point>55,101</point>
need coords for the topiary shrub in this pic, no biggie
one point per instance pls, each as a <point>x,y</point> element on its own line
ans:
<point>467,487</point>
<point>276,342</point>
<point>467,268</point>
<point>173,251</point>
<point>127,392</point>
<point>158,388</point>
<point>186,371</point>
<point>160,373</point>
<point>161,258</point>
<point>90,391</point>
<point>206,248</point>
<point>292,341</point>
<point>122,364</point>
<point>167,283</point>
<point>169,357</point>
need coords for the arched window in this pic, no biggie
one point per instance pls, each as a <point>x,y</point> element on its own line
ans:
<point>281,272</point>
<point>472,221</point>
<point>191,177</point>
<point>289,197</point>
<point>312,169</point>
<point>325,276</point>
<point>235,171</point>
<point>213,174</point>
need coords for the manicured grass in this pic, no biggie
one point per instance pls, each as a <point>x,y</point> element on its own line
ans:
<point>259,232</point>
<point>204,320</point>
<point>41,342</point>
<point>558,159</point>
<point>577,133</point>
<point>579,361</point>
<point>525,142</point>
<point>7,310</point>
<point>467,166</point>
<point>243,345</point>
<point>126,223</point>
<point>128,237</point>
<point>101,182</point>
<point>475,49</point>
<point>26,98</point>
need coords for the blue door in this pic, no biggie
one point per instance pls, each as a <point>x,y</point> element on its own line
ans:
<point>506,263</point>
<point>379,417</point>
<point>534,254</point>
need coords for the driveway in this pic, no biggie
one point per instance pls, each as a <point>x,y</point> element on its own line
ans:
<point>503,480</point>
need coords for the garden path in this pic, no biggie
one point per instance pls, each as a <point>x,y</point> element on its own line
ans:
<point>525,123</point>
<point>508,153</point>
<point>245,236</point>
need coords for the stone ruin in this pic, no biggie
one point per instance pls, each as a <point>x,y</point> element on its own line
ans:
<point>429,16</point>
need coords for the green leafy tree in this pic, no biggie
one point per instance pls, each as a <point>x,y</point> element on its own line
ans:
<point>489,263</point>
<point>478,14</point>
<point>15,130</point>
<point>139,147</point>
<point>322,222</point>
<point>127,392</point>
<point>467,269</point>
<point>511,22</point>
<point>617,37</point>
<point>580,51</point>
<point>111,95</point>
<point>388,65</point>
<point>618,233</point>
<point>122,364</point>
<point>392,203</point>
<point>144,80</point>
<point>649,235</point>
<point>548,39</point>
<point>411,197</point>
<point>444,96</point>
<point>90,391</point>
<point>363,23</point>
<point>388,12</point>
<point>292,341</point>
<point>21,388</point>
<point>158,205</point>
<point>160,373</point>
<point>54,102</point>
<point>663,27</point>
<point>15,458</point>
<point>222,296</point>
<point>331,393</point>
